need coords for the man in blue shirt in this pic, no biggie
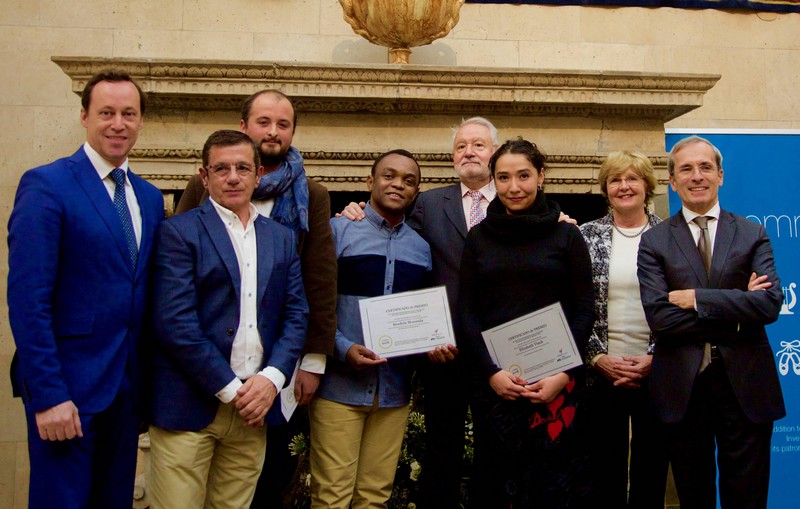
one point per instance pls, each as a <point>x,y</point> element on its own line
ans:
<point>359,417</point>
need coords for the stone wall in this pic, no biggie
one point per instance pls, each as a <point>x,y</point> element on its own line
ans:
<point>757,56</point>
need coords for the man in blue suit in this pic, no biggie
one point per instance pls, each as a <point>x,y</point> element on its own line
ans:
<point>80,238</point>
<point>230,316</point>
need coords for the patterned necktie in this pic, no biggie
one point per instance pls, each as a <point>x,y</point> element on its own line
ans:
<point>476,213</point>
<point>121,204</point>
<point>704,242</point>
<point>704,246</point>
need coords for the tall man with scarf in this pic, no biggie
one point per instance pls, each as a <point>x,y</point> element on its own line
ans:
<point>285,195</point>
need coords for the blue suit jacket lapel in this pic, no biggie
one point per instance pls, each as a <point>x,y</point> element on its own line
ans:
<point>265,250</point>
<point>97,193</point>
<point>222,243</point>
<point>726,231</point>
<point>685,241</point>
<point>454,210</point>
<point>148,222</point>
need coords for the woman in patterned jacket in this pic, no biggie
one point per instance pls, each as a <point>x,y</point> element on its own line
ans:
<point>620,348</point>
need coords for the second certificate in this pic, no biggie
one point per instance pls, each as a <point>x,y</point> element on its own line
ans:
<point>534,346</point>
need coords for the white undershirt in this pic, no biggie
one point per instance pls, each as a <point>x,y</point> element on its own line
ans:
<point>628,333</point>
<point>264,207</point>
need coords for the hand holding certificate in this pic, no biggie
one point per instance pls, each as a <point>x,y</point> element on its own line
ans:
<point>407,323</point>
<point>534,346</point>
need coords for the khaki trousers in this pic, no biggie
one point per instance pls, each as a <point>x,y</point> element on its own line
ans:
<point>216,467</point>
<point>354,453</point>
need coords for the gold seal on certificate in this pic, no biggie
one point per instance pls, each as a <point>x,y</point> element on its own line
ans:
<point>407,323</point>
<point>534,346</point>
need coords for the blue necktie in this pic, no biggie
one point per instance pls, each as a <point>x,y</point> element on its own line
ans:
<point>121,204</point>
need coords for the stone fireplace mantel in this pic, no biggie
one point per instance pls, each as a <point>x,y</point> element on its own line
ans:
<point>351,112</point>
<point>408,89</point>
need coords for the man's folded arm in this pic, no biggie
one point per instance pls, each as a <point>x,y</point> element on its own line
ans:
<point>740,305</point>
<point>664,317</point>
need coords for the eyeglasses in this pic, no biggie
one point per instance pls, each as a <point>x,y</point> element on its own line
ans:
<point>631,181</point>
<point>223,170</point>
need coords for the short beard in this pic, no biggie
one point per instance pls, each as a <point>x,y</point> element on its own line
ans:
<point>272,159</point>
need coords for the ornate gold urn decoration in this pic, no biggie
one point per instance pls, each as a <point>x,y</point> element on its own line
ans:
<point>401,24</point>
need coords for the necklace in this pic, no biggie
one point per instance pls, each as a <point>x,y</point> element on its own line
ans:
<point>614,224</point>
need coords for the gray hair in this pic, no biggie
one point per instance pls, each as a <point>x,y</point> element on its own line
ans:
<point>688,141</point>
<point>478,121</point>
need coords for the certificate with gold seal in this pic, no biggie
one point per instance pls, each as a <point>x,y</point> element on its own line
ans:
<point>407,323</point>
<point>534,346</point>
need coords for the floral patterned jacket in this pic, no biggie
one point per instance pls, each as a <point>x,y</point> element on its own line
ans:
<point>598,238</point>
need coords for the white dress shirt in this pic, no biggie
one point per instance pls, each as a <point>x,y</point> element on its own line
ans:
<point>628,332</point>
<point>247,352</point>
<point>103,169</point>
<point>713,221</point>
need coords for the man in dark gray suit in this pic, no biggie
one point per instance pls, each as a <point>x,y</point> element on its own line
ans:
<point>709,286</point>
<point>443,216</point>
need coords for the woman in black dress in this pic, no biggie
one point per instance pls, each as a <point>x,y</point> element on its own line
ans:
<point>516,261</point>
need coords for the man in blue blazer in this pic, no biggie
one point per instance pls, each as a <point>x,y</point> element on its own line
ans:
<point>230,317</point>
<point>709,286</point>
<point>80,238</point>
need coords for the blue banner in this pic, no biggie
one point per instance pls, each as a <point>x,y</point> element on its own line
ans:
<point>761,183</point>
<point>762,5</point>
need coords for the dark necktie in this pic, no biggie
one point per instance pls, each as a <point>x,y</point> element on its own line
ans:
<point>121,204</point>
<point>704,242</point>
<point>704,246</point>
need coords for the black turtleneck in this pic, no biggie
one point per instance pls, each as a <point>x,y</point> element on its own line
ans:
<point>515,264</point>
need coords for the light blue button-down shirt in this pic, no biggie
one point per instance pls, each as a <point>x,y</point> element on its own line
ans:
<point>374,259</point>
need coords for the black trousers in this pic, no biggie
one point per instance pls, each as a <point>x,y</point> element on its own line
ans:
<point>715,422</point>
<point>625,436</point>
<point>279,465</point>
<point>445,410</point>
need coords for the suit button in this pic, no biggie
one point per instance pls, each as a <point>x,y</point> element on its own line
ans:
<point>229,332</point>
